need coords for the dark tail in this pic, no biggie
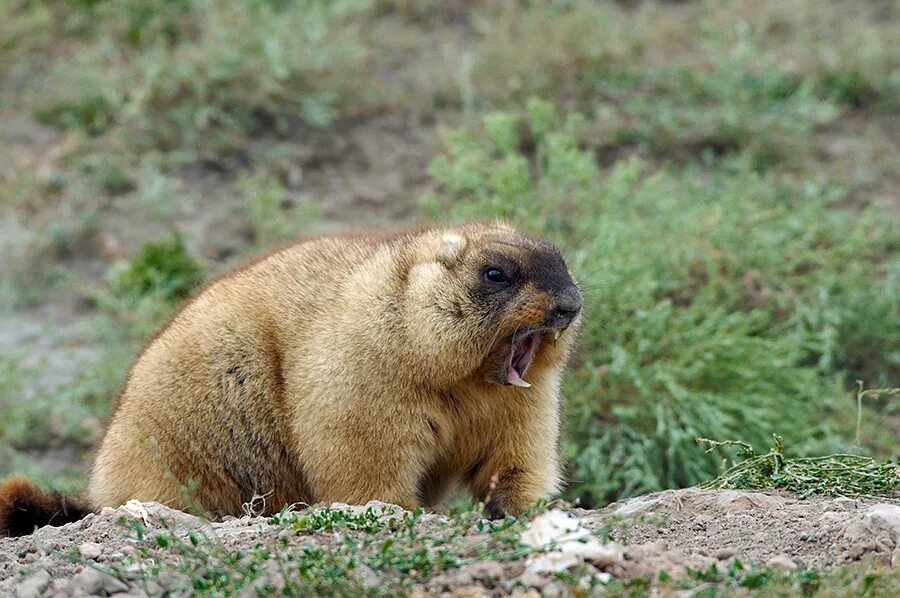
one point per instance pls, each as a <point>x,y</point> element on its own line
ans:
<point>24,506</point>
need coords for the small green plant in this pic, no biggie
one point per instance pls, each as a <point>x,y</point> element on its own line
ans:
<point>328,519</point>
<point>836,475</point>
<point>161,269</point>
<point>92,114</point>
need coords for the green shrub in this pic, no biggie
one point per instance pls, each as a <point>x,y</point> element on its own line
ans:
<point>162,269</point>
<point>702,289</point>
<point>768,114</point>
<point>176,74</point>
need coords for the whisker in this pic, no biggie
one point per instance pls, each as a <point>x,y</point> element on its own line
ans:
<point>491,345</point>
<point>512,346</point>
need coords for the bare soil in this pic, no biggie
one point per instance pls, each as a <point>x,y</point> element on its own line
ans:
<point>666,531</point>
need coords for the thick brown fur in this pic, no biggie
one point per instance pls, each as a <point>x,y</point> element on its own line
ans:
<point>351,368</point>
<point>24,507</point>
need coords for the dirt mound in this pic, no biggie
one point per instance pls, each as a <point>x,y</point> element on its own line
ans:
<point>148,549</point>
<point>667,530</point>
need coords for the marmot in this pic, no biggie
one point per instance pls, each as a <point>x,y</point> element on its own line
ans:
<point>386,366</point>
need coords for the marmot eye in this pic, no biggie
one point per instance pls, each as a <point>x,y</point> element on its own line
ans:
<point>495,275</point>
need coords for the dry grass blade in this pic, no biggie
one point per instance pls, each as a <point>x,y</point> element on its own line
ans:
<point>835,475</point>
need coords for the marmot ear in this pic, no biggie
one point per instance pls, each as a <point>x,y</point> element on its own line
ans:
<point>451,249</point>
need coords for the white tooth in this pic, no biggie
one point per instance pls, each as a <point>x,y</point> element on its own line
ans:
<point>516,380</point>
<point>519,382</point>
<point>556,335</point>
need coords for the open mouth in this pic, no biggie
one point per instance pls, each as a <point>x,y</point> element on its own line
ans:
<point>521,354</point>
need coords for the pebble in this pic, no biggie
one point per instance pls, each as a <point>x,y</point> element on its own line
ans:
<point>782,561</point>
<point>533,580</point>
<point>470,592</point>
<point>92,582</point>
<point>91,550</point>
<point>486,570</point>
<point>723,554</point>
<point>366,576</point>
<point>33,585</point>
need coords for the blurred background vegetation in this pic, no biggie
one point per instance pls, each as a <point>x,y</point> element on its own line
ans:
<point>723,176</point>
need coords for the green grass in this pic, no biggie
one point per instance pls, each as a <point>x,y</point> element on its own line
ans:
<point>163,269</point>
<point>177,75</point>
<point>719,300</point>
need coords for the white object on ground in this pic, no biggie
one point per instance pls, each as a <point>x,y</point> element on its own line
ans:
<point>568,544</point>
<point>137,510</point>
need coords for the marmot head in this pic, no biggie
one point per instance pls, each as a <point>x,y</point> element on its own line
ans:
<point>496,304</point>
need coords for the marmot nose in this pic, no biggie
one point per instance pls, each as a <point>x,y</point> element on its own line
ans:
<point>566,309</point>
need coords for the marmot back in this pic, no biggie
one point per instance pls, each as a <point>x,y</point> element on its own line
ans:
<point>352,368</point>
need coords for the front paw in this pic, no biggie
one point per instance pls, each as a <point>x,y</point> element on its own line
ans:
<point>493,510</point>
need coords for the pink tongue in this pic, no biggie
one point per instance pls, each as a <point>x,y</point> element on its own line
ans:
<point>523,359</point>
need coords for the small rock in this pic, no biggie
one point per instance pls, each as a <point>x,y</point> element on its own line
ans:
<point>633,506</point>
<point>723,554</point>
<point>533,580</point>
<point>879,524</point>
<point>453,578</point>
<point>845,504</point>
<point>514,568</point>
<point>366,576</point>
<point>91,550</point>
<point>860,549</point>
<point>552,589</point>
<point>475,540</point>
<point>92,582</point>
<point>33,585</point>
<point>486,570</point>
<point>59,586</point>
<point>470,592</point>
<point>782,561</point>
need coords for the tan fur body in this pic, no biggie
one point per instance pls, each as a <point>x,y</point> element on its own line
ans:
<point>341,369</point>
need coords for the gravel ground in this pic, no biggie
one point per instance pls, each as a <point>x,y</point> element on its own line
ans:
<point>105,554</point>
